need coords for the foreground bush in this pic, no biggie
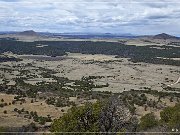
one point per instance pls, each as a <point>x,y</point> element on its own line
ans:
<point>148,121</point>
<point>79,119</point>
<point>110,116</point>
<point>171,116</point>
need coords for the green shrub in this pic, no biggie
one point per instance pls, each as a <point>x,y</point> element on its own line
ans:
<point>148,121</point>
<point>42,120</point>
<point>15,109</point>
<point>5,112</point>
<point>2,129</point>
<point>1,105</point>
<point>73,120</point>
<point>171,116</point>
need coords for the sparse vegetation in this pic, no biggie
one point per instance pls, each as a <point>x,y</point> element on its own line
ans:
<point>147,54</point>
<point>83,103</point>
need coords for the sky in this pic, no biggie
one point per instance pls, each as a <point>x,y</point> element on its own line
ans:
<point>140,17</point>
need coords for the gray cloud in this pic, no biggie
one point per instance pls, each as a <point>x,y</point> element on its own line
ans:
<point>159,17</point>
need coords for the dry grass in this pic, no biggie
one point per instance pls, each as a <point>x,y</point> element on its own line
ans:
<point>14,119</point>
<point>120,75</point>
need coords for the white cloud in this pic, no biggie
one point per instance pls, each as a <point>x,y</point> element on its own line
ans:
<point>129,16</point>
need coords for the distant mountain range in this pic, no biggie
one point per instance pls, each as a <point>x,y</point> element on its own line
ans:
<point>163,36</point>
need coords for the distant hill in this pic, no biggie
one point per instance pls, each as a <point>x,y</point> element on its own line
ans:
<point>28,33</point>
<point>164,36</point>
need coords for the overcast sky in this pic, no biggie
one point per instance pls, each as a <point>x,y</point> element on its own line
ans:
<point>102,16</point>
